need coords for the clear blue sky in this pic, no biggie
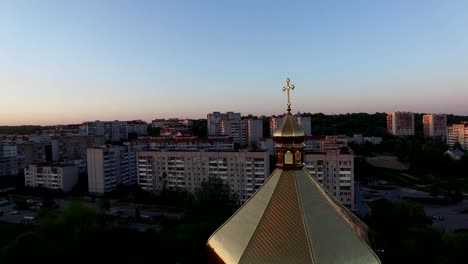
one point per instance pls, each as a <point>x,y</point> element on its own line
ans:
<point>71,61</point>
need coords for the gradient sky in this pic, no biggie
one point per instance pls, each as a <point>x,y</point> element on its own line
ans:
<point>72,61</point>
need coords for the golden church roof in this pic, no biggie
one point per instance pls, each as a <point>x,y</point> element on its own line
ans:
<point>289,128</point>
<point>291,218</point>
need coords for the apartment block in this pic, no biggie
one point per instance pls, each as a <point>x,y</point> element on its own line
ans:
<point>214,123</point>
<point>334,169</point>
<point>243,171</point>
<point>458,133</point>
<point>137,127</point>
<point>67,148</point>
<point>435,125</point>
<point>400,123</point>
<point>30,153</point>
<point>111,130</point>
<point>51,176</point>
<point>254,131</point>
<point>8,159</point>
<point>109,166</point>
<point>192,143</point>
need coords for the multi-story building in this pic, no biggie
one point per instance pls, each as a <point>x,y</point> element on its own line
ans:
<point>435,125</point>
<point>214,123</point>
<point>171,123</point>
<point>109,166</point>
<point>458,133</point>
<point>400,123</point>
<point>334,169</point>
<point>51,176</point>
<point>137,127</point>
<point>8,159</point>
<point>254,131</point>
<point>192,143</point>
<point>30,153</point>
<point>231,124</point>
<point>243,171</point>
<point>111,130</point>
<point>358,139</point>
<point>67,148</point>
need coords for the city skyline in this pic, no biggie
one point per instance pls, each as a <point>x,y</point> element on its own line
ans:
<point>66,62</point>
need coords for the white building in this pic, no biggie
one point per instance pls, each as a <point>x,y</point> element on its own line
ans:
<point>400,123</point>
<point>334,169</point>
<point>435,125</point>
<point>254,131</point>
<point>109,166</point>
<point>243,171</point>
<point>51,176</point>
<point>458,133</point>
<point>214,123</point>
<point>111,130</point>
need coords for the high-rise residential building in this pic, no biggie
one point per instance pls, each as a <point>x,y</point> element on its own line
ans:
<point>234,128</point>
<point>51,176</point>
<point>435,125</point>
<point>111,130</point>
<point>66,148</point>
<point>137,127</point>
<point>30,153</point>
<point>8,159</point>
<point>243,171</point>
<point>214,123</point>
<point>109,166</point>
<point>229,124</point>
<point>334,170</point>
<point>400,123</point>
<point>458,133</point>
<point>254,131</point>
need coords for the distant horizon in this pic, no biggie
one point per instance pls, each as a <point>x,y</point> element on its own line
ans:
<point>72,61</point>
<point>205,117</point>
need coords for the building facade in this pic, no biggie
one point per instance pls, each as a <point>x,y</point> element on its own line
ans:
<point>334,169</point>
<point>51,176</point>
<point>214,123</point>
<point>111,130</point>
<point>458,133</point>
<point>8,159</point>
<point>137,127</point>
<point>435,125</point>
<point>254,131</point>
<point>109,166</point>
<point>66,148</point>
<point>243,171</point>
<point>400,123</point>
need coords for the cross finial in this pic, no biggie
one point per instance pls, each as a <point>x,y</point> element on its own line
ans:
<point>287,88</point>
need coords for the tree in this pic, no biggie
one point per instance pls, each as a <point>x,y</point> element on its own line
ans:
<point>104,205</point>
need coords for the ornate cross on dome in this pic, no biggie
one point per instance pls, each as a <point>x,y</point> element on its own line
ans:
<point>287,88</point>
